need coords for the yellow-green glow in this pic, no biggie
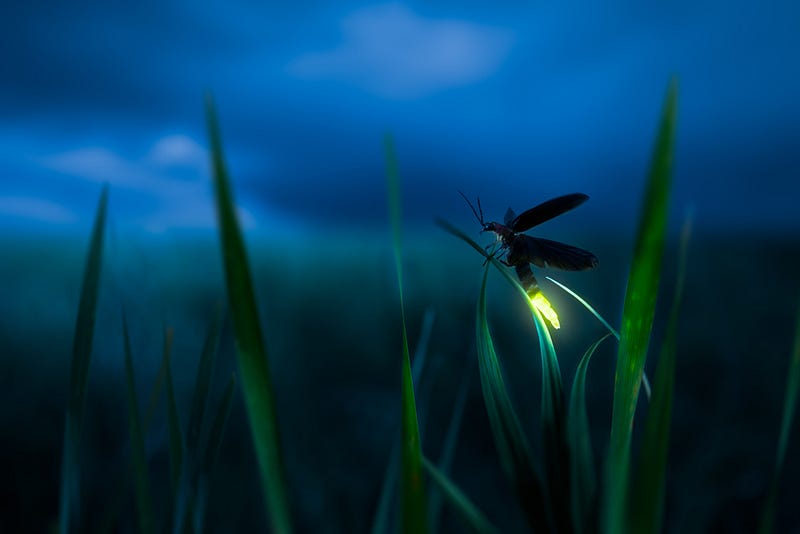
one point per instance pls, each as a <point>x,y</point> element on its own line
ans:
<point>545,308</point>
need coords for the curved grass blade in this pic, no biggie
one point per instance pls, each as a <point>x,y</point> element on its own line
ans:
<point>251,353</point>
<point>645,380</point>
<point>144,503</point>
<point>767,524</point>
<point>582,469</point>
<point>647,499</point>
<point>556,451</point>
<point>413,501</point>
<point>79,371</point>
<point>637,316</point>
<point>472,517</point>
<point>380,521</point>
<point>510,441</point>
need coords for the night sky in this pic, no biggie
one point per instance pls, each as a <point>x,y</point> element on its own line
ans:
<point>514,102</point>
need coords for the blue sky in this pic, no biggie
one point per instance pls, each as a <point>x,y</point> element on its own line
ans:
<point>515,101</point>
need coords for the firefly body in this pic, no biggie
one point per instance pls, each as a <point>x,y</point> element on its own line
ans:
<point>520,251</point>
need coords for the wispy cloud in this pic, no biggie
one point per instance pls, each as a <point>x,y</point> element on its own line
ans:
<point>392,51</point>
<point>170,183</point>
<point>39,209</point>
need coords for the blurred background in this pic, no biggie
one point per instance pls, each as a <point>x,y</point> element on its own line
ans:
<point>514,102</point>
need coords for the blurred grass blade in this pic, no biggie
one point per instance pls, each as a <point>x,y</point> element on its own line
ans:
<point>413,502</point>
<point>647,499</point>
<point>645,381</point>
<point>380,520</point>
<point>472,517</point>
<point>79,371</point>
<point>510,441</point>
<point>173,420</point>
<point>582,469</point>
<point>767,525</point>
<point>205,369</point>
<point>449,446</point>
<point>637,316</point>
<point>218,426</point>
<point>250,350</point>
<point>144,503</point>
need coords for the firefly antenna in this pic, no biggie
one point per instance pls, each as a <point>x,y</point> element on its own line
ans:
<point>474,211</point>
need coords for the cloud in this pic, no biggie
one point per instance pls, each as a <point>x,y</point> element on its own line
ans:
<point>179,151</point>
<point>151,191</point>
<point>36,208</point>
<point>395,53</point>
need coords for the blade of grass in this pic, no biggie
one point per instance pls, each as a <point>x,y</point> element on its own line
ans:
<point>205,370</point>
<point>144,503</point>
<point>767,523</point>
<point>584,478</point>
<point>645,380</point>
<point>556,451</point>
<point>637,316</point>
<point>413,501</point>
<point>215,434</point>
<point>79,371</point>
<point>510,441</point>
<point>472,517</point>
<point>647,504</point>
<point>251,353</point>
<point>380,520</point>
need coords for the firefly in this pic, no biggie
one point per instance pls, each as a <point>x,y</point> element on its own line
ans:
<point>519,250</point>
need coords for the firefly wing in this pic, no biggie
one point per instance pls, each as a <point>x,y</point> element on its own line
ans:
<point>552,254</point>
<point>509,217</point>
<point>546,211</point>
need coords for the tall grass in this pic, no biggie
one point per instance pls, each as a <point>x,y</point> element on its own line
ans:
<point>69,506</point>
<point>413,500</point>
<point>250,350</point>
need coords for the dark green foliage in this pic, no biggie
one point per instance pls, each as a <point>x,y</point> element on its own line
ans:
<point>144,503</point>
<point>637,316</point>
<point>250,350</point>
<point>413,501</point>
<point>647,499</point>
<point>470,515</point>
<point>767,525</point>
<point>79,373</point>
<point>582,468</point>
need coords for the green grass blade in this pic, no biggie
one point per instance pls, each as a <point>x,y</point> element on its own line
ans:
<point>449,447</point>
<point>472,517</point>
<point>218,424</point>
<point>510,441</point>
<point>380,520</point>
<point>789,406</point>
<point>637,316</point>
<point>250,350</point>
<point>647,499</point>
<point>79,372</point>
<point>205,370</point>
<point>581,300</point>
<point>556,451</point>
<point>582,467</point>
<point>144,503</point>
<point>413,501</point>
